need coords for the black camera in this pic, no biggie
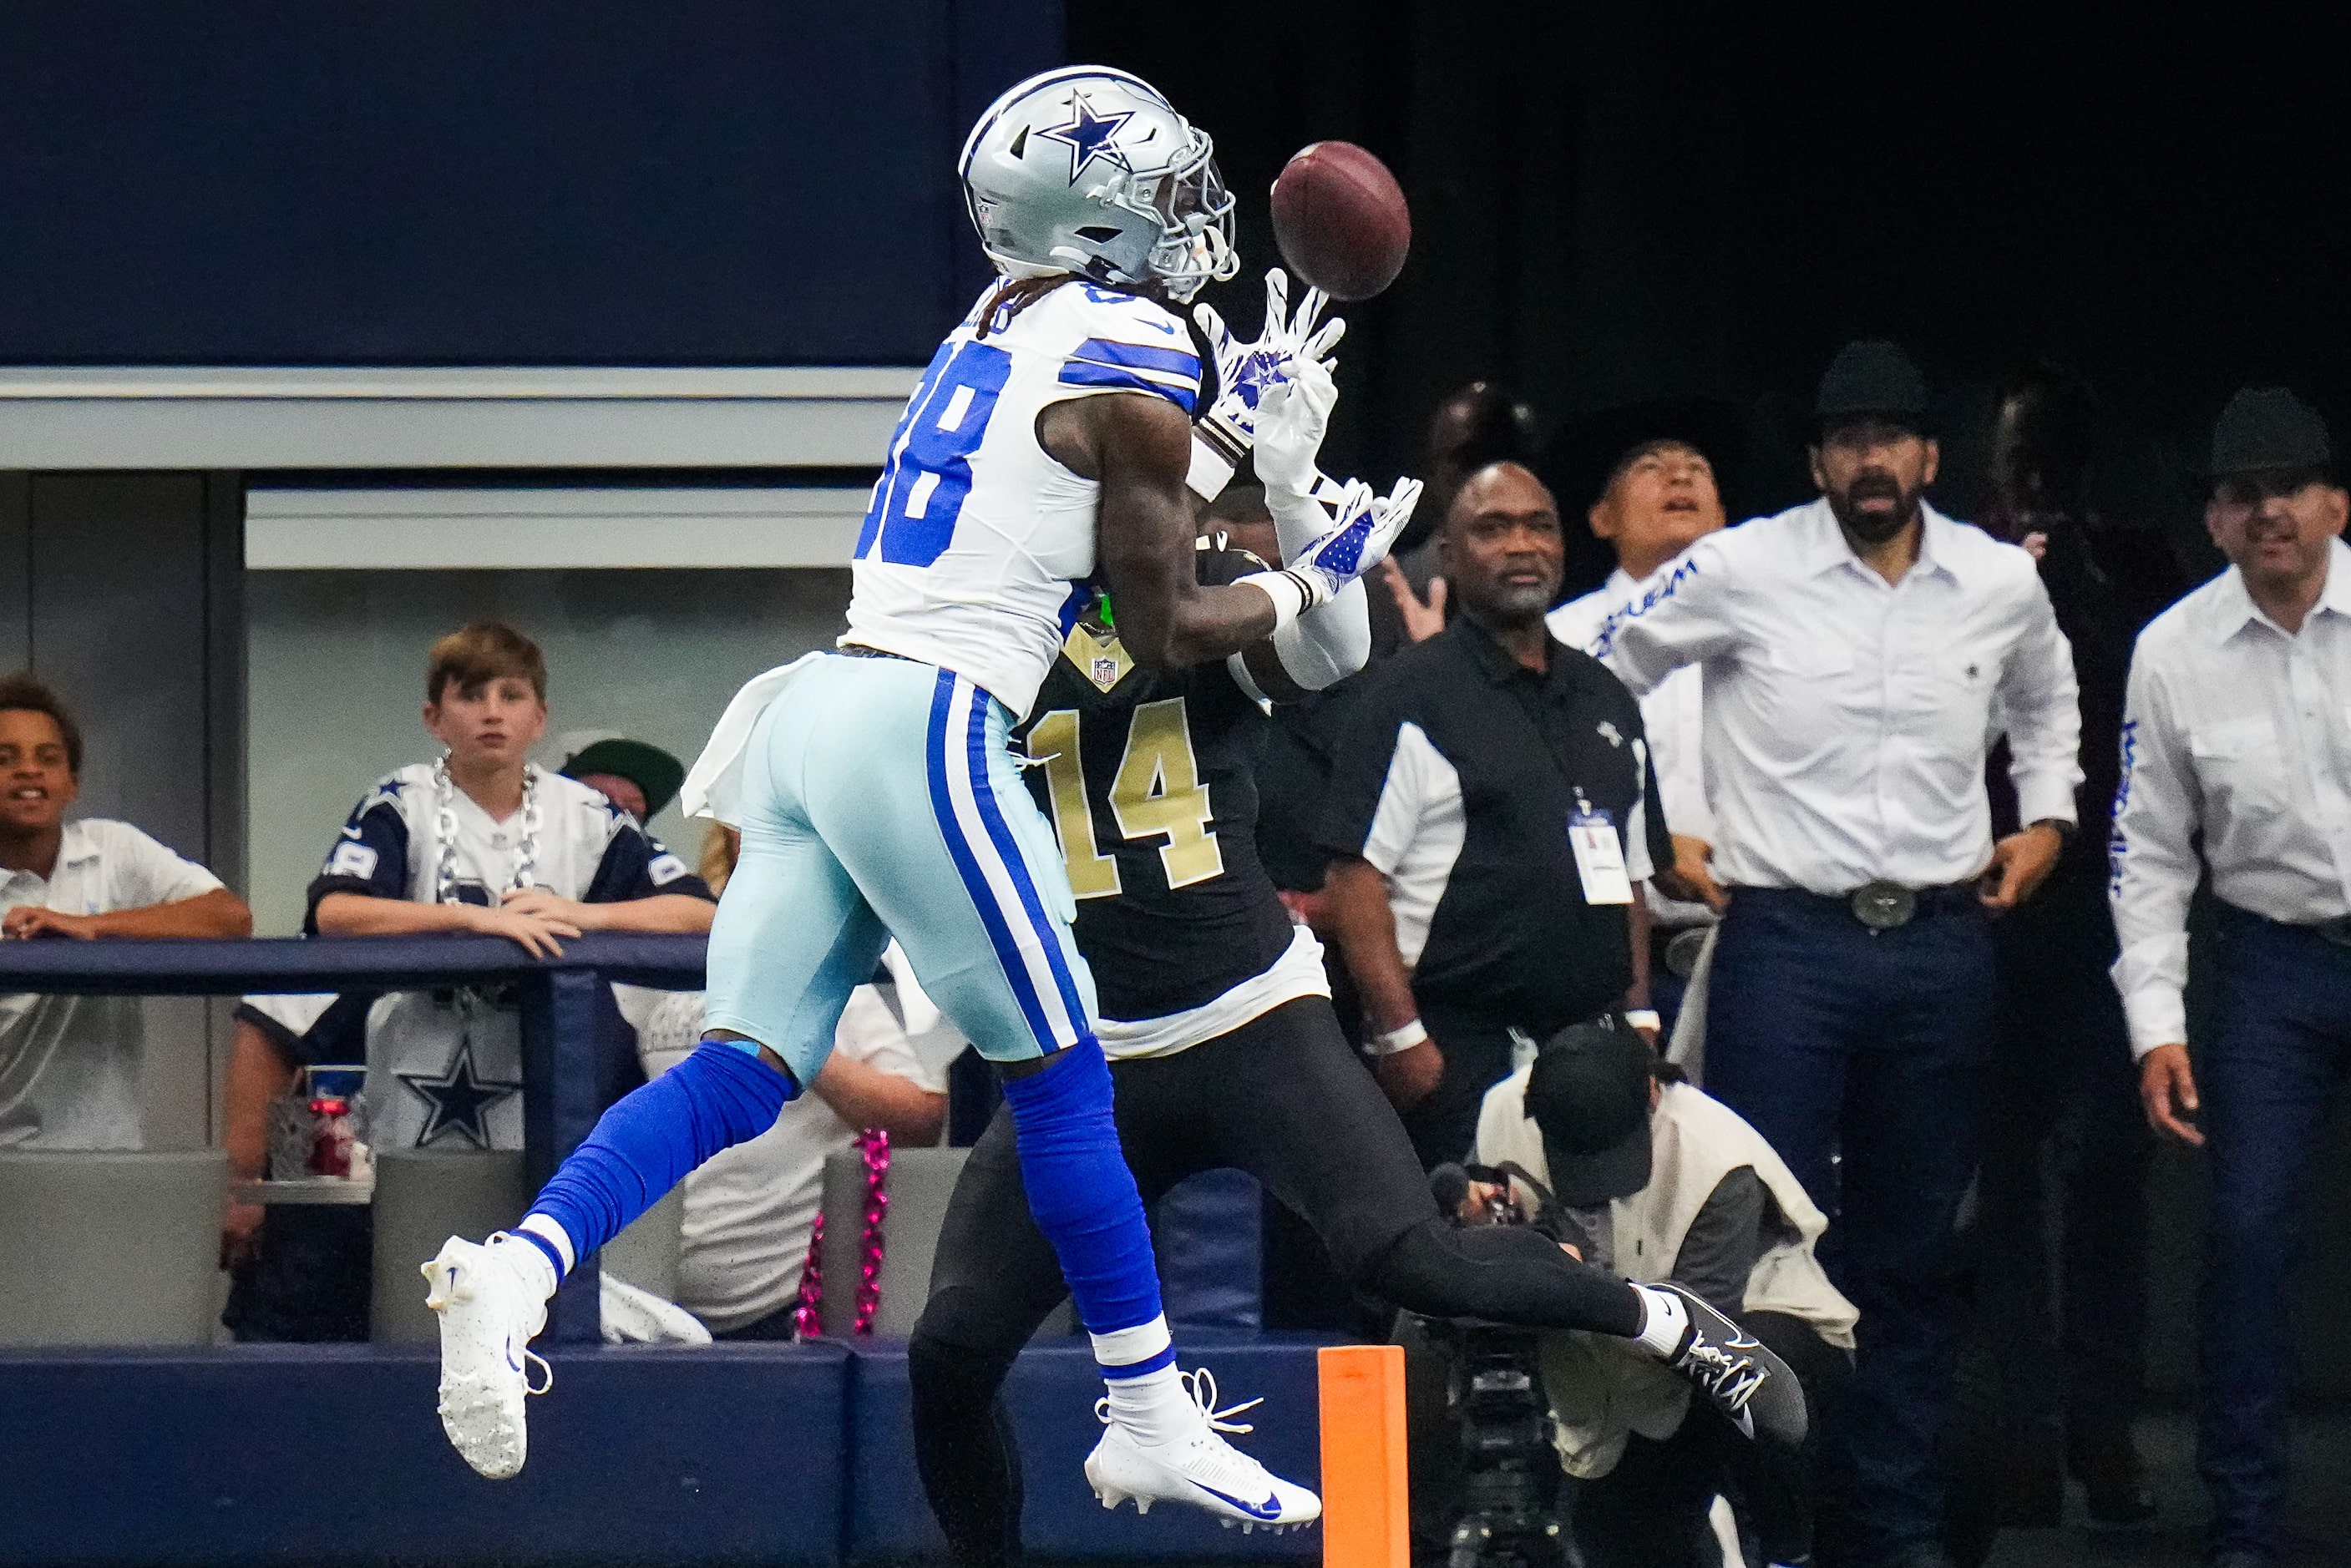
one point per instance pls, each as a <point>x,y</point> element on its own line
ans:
<point>1510,1473</point>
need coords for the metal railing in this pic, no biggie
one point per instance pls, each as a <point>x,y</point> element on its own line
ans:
<point>566,1080</point>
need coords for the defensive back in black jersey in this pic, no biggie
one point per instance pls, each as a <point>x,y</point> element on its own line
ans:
<point>1148,779</point>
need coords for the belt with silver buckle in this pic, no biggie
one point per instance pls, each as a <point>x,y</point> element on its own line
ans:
<point>1883,906</point>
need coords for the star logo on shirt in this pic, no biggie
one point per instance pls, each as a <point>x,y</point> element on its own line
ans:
<point>457,1101</point>
<point>1089,135</point>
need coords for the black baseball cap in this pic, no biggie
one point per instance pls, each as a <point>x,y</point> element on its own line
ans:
<point>1872,377</point>
<point>648,767</point>
<point>1589,1093</point>
<point>2268,428</point>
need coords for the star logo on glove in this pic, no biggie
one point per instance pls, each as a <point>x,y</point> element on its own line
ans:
<point>1089,135</point>
<point>1256,376</point>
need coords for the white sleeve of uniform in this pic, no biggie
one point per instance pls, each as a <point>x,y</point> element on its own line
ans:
<point>1328,643</point>
<point>1691,619</point>
<point>141,872</point>
<point>2157,808</point>
<point>2040,707</point>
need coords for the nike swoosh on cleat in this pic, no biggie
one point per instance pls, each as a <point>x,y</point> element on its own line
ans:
<point>1270,1509</point>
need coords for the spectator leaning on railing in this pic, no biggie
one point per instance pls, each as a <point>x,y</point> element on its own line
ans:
<point>484,841</point>
<point>70,1066</point>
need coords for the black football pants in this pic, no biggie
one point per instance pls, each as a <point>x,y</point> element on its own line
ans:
<point>1281,1098</point>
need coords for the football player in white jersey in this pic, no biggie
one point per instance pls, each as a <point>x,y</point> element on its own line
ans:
<point>1048,449</point>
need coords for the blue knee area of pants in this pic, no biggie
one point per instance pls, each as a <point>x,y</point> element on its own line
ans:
<point>1079,1189</point>
<point>646,1143</point>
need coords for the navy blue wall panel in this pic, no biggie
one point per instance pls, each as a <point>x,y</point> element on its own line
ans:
<point>442,181</point>
<point>722,1453</point>
<point>1051,1395</point>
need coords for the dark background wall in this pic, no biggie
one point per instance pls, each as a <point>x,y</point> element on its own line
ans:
<point>1611,207</point>
<point>443,182</point>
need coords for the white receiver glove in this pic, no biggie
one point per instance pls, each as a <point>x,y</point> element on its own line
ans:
<point>1224,435</point>
<point>1356,535</point>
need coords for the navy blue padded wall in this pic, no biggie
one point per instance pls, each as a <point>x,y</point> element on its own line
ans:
<point>307,1453</point>
<point>442,181</point>
<point>1051,1395</point>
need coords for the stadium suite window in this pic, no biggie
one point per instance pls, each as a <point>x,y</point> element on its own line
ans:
<point>336,675</point>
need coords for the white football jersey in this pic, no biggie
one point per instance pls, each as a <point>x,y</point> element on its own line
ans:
<point>977,543</point>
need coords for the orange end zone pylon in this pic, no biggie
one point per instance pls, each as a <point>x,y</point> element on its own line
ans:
<point>1366,1503</point>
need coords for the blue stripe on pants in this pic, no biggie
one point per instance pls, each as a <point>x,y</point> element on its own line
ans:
<point>1016,865</point>
<point>974,881</point>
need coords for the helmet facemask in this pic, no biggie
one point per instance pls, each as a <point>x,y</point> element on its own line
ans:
<point>1196,221</point>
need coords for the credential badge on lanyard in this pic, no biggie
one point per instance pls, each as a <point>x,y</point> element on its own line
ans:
<point>1599,857</point>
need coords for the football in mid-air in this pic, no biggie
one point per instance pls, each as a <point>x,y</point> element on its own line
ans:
<point>1341,220</point>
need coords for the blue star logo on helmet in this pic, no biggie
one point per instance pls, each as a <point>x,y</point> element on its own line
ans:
<point>1089,134</point>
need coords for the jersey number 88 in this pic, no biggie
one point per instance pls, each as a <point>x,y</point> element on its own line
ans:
<point>922,490</point>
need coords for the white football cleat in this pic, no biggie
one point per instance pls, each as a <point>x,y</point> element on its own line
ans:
<point>1199,1469</point>
<point>489,1311</point>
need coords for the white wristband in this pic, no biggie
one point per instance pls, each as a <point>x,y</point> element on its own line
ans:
<point>1211,470</point>
<point>1644,1018</point>
<point>1413,1033</point>
<point>1291,595</point>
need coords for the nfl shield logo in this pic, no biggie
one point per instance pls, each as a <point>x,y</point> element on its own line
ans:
<point>1105,672</point>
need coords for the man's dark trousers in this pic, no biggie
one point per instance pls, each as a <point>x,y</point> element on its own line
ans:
<point>2274,1069</point>
<point>1860,1055</point>
<point>2072,1346</point>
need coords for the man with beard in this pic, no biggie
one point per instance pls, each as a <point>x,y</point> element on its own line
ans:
<point>1491,811</point>
<point>1854,651</point>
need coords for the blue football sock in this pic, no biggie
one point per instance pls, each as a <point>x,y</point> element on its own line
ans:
<point>1080,1191</point>
<point>645,1145</point>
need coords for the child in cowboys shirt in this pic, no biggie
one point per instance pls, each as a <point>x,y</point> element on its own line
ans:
<point>484,841</point>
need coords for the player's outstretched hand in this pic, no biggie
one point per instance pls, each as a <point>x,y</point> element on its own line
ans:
<point>535,932</point>
<point>1367,525</point>
<point>1293,417</point>
<point>1246,371</point>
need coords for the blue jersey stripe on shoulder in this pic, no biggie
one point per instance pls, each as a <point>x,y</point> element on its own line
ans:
<point>1079,373</point>
<point>1139,357</point>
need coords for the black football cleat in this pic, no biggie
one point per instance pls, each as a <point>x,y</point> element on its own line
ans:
<point>1738,1373</point>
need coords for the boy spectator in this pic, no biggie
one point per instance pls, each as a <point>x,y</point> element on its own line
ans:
<point>484,841</point>
<point>70,1066</point>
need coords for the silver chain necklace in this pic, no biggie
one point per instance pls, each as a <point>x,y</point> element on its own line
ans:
<point>444,825</point>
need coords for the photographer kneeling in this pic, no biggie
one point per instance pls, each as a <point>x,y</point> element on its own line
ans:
<point>1655,1182</point>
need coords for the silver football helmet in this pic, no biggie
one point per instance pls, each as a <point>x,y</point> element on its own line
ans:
<point>1088,171</point>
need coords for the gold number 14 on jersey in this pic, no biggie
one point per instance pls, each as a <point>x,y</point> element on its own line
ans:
<point>1158,792</point>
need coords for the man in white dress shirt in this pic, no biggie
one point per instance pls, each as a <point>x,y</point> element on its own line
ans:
<point>2238,729</point>
<point>1859,653</point>
<point>1660,499</point>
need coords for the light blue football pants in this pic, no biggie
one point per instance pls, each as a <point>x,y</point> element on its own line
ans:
<point>881,799</point>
